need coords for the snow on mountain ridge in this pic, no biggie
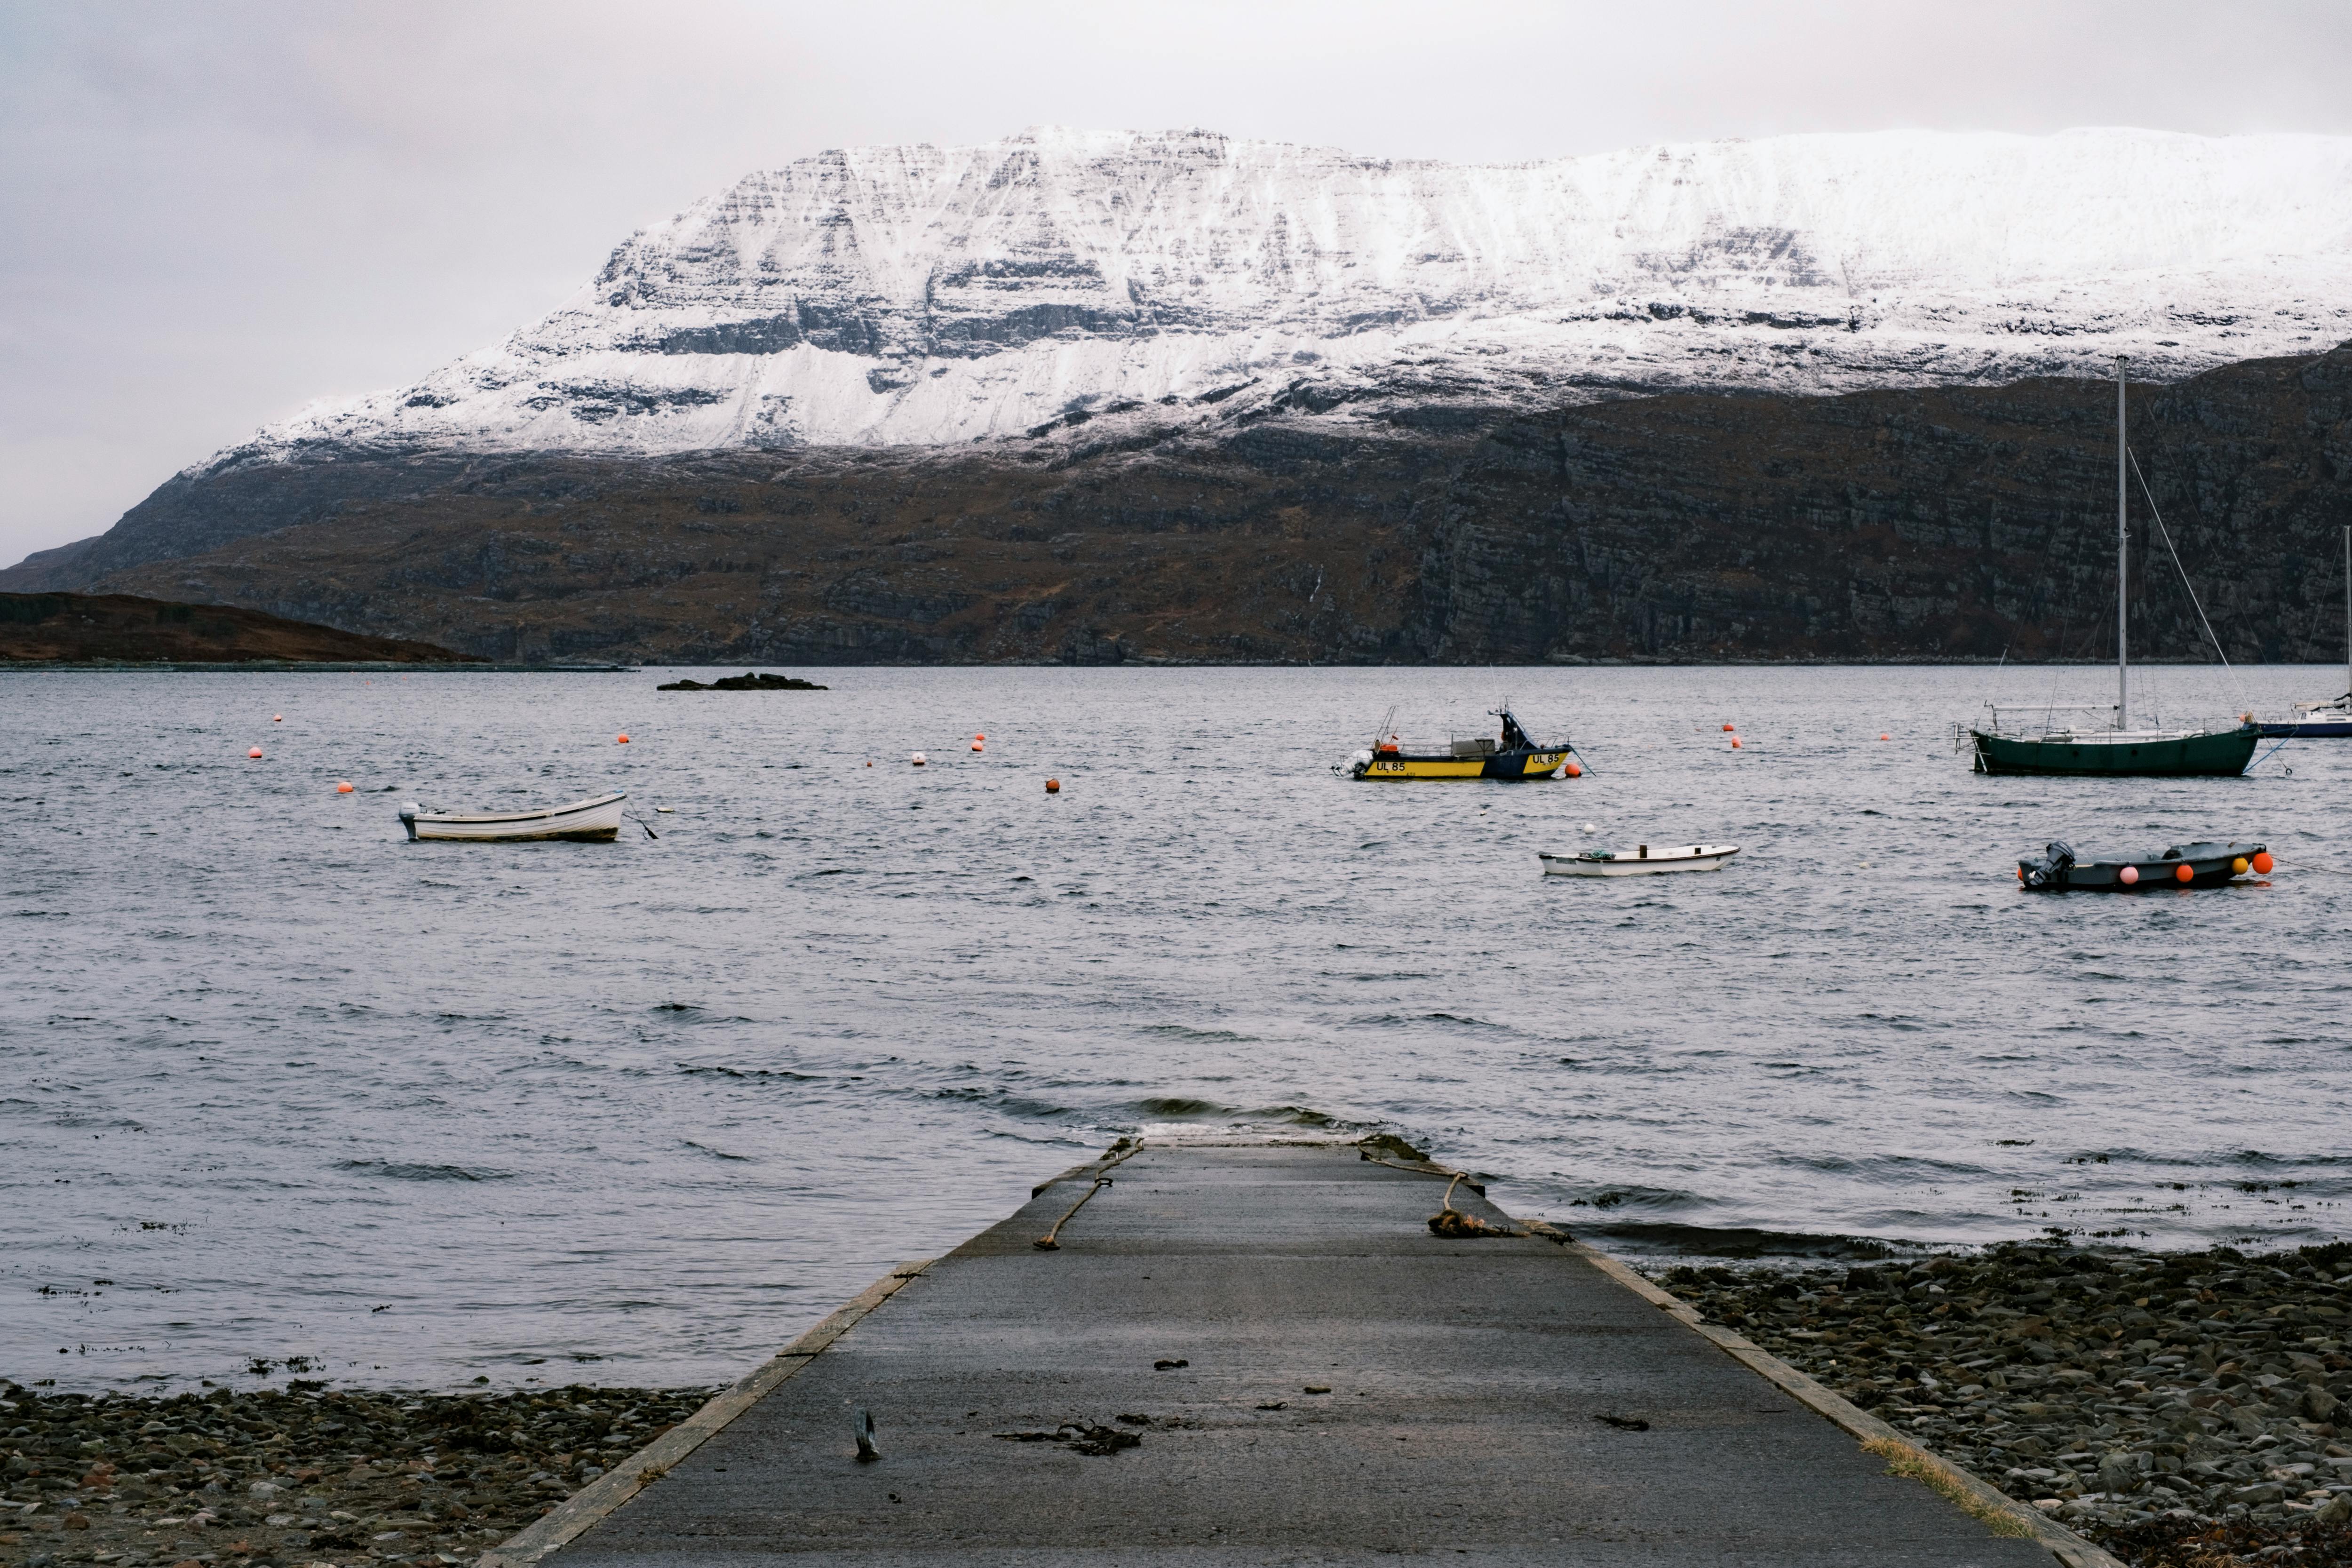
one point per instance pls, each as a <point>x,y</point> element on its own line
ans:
<point>923,295</point>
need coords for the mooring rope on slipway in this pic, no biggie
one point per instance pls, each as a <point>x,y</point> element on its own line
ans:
<point>1448,1220</point>
<point>1046,1243</point>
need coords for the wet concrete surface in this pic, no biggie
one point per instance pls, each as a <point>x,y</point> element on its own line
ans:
<point>1350,1387</point>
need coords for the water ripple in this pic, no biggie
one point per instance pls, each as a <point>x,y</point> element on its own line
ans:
<point>682,1095</point>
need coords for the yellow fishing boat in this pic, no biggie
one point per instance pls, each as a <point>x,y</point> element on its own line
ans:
<point>1513,754</point>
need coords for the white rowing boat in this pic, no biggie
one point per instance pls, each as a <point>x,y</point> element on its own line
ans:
<point>1639,861</point>
<point>589,821</point>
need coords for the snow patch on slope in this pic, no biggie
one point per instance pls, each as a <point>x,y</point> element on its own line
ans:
<point>926,295</point>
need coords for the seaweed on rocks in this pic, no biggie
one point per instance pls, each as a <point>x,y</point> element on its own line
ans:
<point>305,1473</point>
<point>2180,1408</point>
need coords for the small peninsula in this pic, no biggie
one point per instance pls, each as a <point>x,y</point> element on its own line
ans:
<point>121,629</point>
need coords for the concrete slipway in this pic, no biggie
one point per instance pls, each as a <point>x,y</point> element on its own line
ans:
<point>1351,1388</point>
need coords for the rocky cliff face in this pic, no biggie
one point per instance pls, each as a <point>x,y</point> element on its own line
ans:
<point>1943,522</point>
<point>1918,524</point>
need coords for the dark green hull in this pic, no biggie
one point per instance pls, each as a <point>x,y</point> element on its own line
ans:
<point>2218,753</point>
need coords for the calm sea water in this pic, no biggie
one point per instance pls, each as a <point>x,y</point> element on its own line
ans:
<point>280,1084</point>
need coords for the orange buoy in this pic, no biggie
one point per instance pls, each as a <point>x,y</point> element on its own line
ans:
<point>255,752</point>
<point>2263,863</point>
<point>980,737</point>
<point>2129,875</point>
<point>869,761</point>
<point>1574,772</point>
<point>2238,866</point>
<point>1052,786</point>
<point>1727,729</point>
<point>277,718</point>
<point>621,740</point>
<point>1735,740</point>
<point>345,787</point>
<point>1882,735</point>
<point>2181,873</point>
<point>978,747</point>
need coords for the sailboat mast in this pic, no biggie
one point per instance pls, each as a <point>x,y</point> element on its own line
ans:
<point>2347,607</point>
<point>2123,564</point>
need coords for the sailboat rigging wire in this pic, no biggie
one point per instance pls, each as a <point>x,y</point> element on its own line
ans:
<point>2166,535</point>
<point>2057,674</point>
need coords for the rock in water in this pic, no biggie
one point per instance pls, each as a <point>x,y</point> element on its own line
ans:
<point>747,681</point>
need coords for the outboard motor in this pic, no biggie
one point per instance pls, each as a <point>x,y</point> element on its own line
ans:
<point>2050,870</point>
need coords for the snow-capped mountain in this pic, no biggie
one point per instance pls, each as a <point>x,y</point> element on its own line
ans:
<point>928,295</point>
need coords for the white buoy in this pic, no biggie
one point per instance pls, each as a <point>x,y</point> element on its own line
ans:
<point>1589,828</point>
<point>918,759</point>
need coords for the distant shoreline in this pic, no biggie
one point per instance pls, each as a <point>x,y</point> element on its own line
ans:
<point>279,667</point>
<point>286,667</point>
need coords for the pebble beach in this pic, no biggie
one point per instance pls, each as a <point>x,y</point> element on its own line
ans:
<point>2180,1408</point>
<point>300,1475</point>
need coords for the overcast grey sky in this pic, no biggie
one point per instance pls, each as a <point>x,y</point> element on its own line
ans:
<point>212,214</point>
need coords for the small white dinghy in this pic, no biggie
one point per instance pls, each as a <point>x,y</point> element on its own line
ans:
<point>1639,861</point>
<point>587,821</point>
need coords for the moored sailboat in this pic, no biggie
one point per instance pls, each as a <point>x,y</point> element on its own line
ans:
<point>2118,753</point>
<point>2317,720</point>
<point>2117,750</point>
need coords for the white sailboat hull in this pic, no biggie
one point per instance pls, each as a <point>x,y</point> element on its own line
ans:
<point>1641,861</point>
<point>596,820</point>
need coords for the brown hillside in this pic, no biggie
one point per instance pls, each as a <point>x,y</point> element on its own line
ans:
<point>1923,523</point>
<point>83,628</point>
